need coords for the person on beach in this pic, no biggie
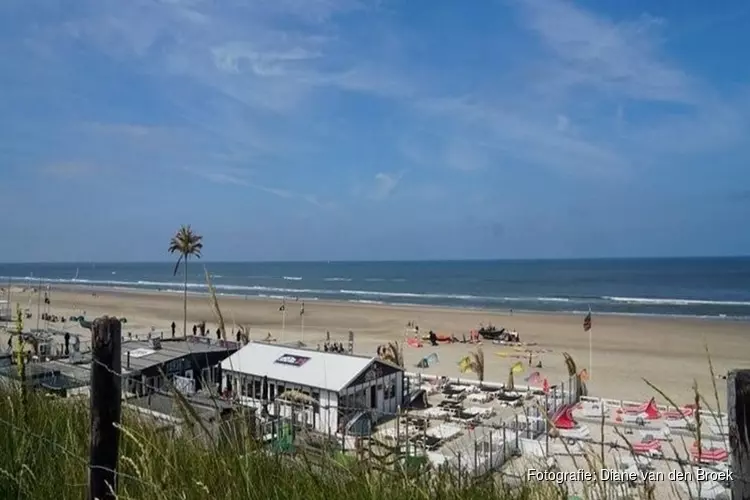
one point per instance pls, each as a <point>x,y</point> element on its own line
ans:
<point>174,326</point>
<point>195,330</point>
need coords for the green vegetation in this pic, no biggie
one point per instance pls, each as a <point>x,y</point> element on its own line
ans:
<point>186,244</point>
<point>45,448</point>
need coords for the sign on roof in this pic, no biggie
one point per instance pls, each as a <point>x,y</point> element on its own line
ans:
<point>141,352</point>
<point>292,360</point>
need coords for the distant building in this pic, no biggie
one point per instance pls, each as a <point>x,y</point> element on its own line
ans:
<point>62,379</point>
<point>217,416</point>
<point>190,364</point>
<point>146,364</point>
<point>332,391</point>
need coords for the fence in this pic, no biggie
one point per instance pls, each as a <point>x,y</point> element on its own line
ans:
<point>474,450</point>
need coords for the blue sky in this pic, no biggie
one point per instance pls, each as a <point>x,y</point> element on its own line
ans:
<point>358,129</point>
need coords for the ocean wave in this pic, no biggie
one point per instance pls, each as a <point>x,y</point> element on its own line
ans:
<point>300,291</point>
<point>602,304</point>
<point>676,302</point>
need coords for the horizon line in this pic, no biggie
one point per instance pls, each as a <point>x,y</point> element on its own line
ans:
<point>387,261</point>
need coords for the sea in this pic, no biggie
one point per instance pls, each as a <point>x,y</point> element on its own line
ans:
<point>698,287</point>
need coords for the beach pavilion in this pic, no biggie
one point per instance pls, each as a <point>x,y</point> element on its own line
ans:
<point>328,392</point>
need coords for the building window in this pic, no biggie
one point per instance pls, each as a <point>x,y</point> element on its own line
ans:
<point>391,392</point>
<point>316,401</point>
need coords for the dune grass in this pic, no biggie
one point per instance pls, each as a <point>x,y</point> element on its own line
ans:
<point>45,448</point>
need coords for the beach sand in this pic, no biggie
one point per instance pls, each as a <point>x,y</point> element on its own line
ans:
<point>668,352</point>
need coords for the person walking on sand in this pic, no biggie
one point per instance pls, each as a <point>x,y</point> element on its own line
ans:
<point>173,328</point>
<point>195,330</point>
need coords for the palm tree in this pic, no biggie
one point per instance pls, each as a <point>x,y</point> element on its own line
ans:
<point>474,362</point>
<point>186,243</point>
<point>393,353</point>
<point>573,373</point>
<point>510,385</point>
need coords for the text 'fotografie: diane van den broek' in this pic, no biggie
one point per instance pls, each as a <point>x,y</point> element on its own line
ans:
<point>616,475</point>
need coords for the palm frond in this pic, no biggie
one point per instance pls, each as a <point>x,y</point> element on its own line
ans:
<point>570,364</point>
<point>394,354</point>
<point>295,396</point>
<point>215,304</point>
<point>177,265</point>
<point>477,363</point>
<point>186,242</point>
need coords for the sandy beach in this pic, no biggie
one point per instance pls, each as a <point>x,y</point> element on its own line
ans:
<point>669,352</point>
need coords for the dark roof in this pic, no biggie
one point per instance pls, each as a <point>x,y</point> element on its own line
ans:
<point>51,374</point>
<point>167,404</point>
<point>144,355</point>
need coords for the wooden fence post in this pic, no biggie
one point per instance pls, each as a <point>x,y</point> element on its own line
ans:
<point>106,400</point>
<point>738,395</point>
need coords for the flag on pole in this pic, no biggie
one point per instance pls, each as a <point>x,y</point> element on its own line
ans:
<point>587,322</point>
<point>302,309</point>
<point>517,367</point>
<point>464,364</point>
<point>534,378</point>
<point>283,306</point>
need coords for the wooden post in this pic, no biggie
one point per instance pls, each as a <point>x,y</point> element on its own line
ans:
<point>738,395</point>
<point>106,398</point>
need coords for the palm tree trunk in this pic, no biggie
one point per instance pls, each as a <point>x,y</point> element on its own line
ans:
<point>184,301</point>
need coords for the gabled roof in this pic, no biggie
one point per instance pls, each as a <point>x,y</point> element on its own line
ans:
<point>324,370</point>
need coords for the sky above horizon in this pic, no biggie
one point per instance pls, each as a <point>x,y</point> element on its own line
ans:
<point>374,129</point>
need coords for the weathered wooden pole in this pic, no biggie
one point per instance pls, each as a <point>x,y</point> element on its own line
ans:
<point>738,395</point>
<point>105,408</point>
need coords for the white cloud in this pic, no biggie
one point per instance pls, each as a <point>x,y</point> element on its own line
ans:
<point>592,51</point>
<point>385,184</point>
<point>247,82</point>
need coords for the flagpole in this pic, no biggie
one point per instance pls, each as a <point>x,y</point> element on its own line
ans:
<point>591,362</point>
<point>591,365</point>
<point>283,320</point>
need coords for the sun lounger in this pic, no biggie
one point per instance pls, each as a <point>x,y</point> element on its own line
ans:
<point>480,397</point>
<point>560,448</point>
<point>437,412</point>
<point>650,448</point>
<point>445,431</point>
<point>662,434</point>
<point>594,410</point>
<point>480,412</point>
<point>709,454</point>
<point>453,390</point>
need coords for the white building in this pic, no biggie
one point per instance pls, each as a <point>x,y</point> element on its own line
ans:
<point>341,389</point>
